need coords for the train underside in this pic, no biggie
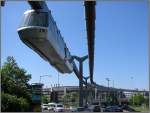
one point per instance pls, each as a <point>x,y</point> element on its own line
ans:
<point>37,39</point>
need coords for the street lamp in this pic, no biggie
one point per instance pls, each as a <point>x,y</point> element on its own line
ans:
<point>133,88</point>
<point>108,87</point>
<point>113,91</point>
<point>43,76</point>
<point>108,81</point>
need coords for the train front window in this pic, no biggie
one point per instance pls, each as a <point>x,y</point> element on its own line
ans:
<point>35,19</point>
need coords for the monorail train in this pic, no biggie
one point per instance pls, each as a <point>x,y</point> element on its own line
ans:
<point>39,31</point>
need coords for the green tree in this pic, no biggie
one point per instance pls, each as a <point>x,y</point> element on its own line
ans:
<point>137,99</point>
<point>45,99</point>
<point>66,99</point>
<point>146,101</point>
<point>74,97</point>
<point>70,99</point>
<point>113,98</point>
<point>16,93</point>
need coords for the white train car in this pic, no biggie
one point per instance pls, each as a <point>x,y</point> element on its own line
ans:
<point>39,31</point>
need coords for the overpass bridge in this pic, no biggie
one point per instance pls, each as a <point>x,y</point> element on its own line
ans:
<point>101,94</point>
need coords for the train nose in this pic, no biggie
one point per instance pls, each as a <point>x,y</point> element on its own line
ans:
<point>36,33</point>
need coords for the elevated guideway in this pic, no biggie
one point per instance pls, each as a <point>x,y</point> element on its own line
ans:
<point>90,17</point>
<point>38,5</point>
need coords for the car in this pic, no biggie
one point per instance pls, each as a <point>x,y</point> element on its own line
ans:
<point>59,108</point>
<point>113,109</point>
<point>103,105</point>
<point>123,106</point>
<point>94,108</point>
<point>44,106</point>
<point>80,109</point>
<point>97,109</point>
<point>73,109</point>
<point>51,106</point>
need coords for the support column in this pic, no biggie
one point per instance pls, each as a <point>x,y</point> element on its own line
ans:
<point>80,60</point>
<point>95,93</point>
<point>86,92</point>
<point>81,85</point>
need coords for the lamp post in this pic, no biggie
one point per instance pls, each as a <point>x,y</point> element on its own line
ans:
<point>44,76</point>
<point>108,81</point>
<point>108,87</point>
<point>113,92</point>
<point>133,93</point>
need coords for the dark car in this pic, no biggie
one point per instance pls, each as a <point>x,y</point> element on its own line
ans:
<point>123,106</point>
<point>113,109</point>
<point>80,109</point>
<point>96,109</point>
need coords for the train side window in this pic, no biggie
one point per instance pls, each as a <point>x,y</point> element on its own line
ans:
<point>35,19</point>
<point>62,42</point>
<point>51,22</point>
<point>65,50</point>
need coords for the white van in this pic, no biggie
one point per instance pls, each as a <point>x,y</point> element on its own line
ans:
<point>51,106</point>
<point>44,106</point>
<point>59,108</point>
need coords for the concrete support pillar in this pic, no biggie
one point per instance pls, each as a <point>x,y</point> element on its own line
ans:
<point>80,60</point>
<point>86,90</point>
<point>95,93</point>
<point>105,96</point>
<point>81,85</point>
<point>64,90</point>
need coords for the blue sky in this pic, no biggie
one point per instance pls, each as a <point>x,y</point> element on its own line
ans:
<point>121,42</point>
